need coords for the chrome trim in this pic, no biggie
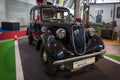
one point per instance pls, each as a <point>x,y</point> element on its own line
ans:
<point>79,57</point>
<point>48,40</point>
<point>91,30</point>
<point>74,42</point>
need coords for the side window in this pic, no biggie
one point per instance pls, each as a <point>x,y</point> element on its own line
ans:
<point>37,15</point>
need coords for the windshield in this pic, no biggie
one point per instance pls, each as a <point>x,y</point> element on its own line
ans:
<point>59,14</point>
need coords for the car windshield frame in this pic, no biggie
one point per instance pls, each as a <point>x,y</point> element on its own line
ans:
<point>54,12</point>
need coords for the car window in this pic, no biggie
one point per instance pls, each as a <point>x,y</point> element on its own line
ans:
<point>37,15</point>
<point>66,15</point>
<point>48,13</point>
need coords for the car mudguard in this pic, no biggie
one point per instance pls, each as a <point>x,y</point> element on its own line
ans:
<point>50,43</point>
<point>95,43</point>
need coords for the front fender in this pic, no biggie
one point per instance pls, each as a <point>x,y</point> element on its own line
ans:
<point>46,39</point>
<point>51,44</point>
<point>95,44</point>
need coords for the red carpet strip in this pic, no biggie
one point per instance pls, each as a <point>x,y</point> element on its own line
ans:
<point>10,35</point>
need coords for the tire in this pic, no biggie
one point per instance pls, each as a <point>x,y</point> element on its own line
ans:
<point>47,62</point>
<point>27,32</point>
<point>30,39</point>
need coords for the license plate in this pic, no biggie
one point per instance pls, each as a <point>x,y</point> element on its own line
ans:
<point>82,63</point>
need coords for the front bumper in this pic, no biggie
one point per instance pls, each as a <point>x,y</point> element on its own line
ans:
<point>63,61</point>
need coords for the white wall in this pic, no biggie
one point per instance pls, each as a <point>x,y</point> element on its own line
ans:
<point>2,11</point>
<point>17,10</point>
<point>106,15</point>
<point>29,1</point>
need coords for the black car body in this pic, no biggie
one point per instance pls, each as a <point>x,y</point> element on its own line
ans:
<point>62,42</point>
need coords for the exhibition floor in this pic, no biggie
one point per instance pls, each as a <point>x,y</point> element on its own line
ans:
<point>105,69</point>
<point>112,47</point>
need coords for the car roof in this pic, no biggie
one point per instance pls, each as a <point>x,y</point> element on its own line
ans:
<point>49,6</point>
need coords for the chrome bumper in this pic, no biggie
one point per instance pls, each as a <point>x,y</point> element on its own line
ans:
<point>78,58</point>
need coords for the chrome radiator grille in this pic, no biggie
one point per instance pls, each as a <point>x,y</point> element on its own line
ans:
<point>78,35</point>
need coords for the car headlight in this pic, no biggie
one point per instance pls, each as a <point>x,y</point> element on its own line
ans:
<point>91,31</point>
<point>61,33</point>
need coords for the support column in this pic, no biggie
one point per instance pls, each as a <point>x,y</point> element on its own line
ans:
<point>77,9</point>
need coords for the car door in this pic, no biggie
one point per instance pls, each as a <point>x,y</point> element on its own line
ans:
<point>35,23</point>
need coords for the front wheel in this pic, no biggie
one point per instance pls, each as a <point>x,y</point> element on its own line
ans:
<point>30,40</point>
<point>47,61</point>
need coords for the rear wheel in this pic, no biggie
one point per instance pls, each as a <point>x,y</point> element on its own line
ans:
<point>30,38</point>
<point>47,62</point>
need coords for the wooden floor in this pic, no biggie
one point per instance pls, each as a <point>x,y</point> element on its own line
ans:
<point>110,42</point>
<point>112,47</point>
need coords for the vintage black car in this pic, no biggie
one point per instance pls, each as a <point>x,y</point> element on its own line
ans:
<point>63,44</point>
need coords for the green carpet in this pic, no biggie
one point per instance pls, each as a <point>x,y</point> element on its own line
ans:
<point>7,61</point>
<point>117,58</point>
